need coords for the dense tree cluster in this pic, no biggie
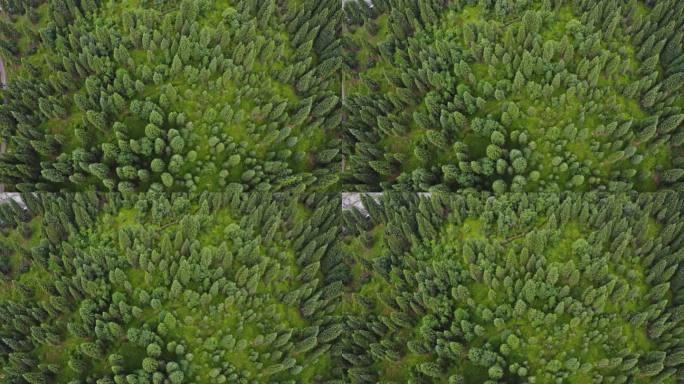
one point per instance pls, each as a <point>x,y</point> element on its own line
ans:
<point>507,95</point>
<point>174,159</point>
<point>520,288</point>
<point>271,288</point>
<point>211,288</point>
<point>182,95</point>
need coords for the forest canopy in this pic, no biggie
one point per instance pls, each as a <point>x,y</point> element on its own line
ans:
<point>280,288</point>
<point>516,170</point>
<point>181,95</point>
<point>504,95</point>
<point>521,288</point>
<point>211,288</point>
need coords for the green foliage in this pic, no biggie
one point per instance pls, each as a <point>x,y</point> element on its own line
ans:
<point>545,288</point>
<point>254,80</point>
<point>536,95</point>
<point>156,288</point>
